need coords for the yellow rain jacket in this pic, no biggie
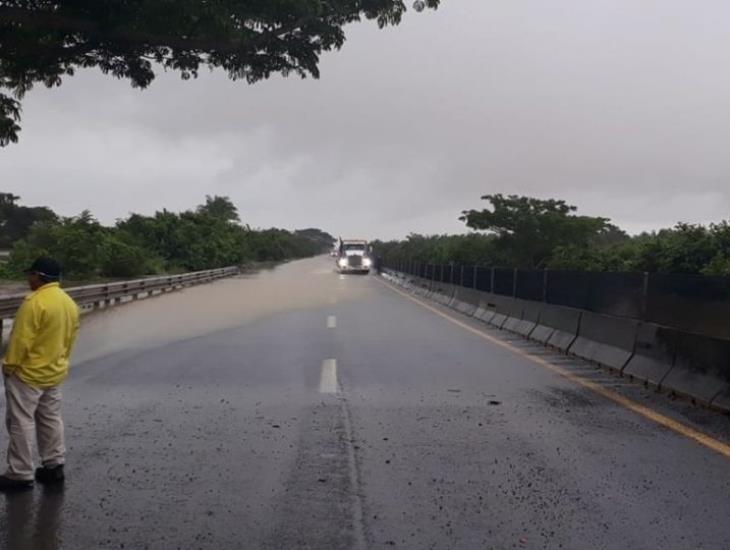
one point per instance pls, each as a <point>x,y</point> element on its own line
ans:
<point>43,336</point>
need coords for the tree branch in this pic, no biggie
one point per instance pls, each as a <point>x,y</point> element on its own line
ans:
<point>57,21</point>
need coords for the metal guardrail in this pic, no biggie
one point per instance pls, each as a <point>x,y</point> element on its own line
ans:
<point>108,294</point>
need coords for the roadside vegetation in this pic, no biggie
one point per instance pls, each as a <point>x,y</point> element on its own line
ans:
<point>208,237</point>
<point>530,233</point>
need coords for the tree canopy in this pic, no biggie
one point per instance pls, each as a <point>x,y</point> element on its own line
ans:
<point>204,238</point>
<point>530,233</point>
<point>220,207</point>
<point>532,228</point>
<point>42,41</point>
<point>16,220</point>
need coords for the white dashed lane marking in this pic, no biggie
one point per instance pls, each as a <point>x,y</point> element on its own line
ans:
<point>328,378</point>
<point>331,321</point>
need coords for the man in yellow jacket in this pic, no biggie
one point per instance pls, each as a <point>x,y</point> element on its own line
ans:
<point>34,367</point>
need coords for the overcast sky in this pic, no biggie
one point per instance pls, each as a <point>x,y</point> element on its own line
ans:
<point>621,107</point>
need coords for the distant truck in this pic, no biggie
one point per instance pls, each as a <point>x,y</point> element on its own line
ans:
<point>354,256</point>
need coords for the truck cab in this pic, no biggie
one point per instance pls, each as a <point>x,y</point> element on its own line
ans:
<point>354,256</point>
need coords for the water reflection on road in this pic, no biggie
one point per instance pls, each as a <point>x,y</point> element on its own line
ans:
<point>32,520</point>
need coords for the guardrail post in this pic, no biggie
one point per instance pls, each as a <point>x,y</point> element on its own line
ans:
<point>476,273</point>
<point>491,282</point>
<point>545,285</point>
<point>461,278</point>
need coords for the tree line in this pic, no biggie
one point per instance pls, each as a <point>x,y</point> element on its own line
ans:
<point>530,233</point>
<point>207,237</point>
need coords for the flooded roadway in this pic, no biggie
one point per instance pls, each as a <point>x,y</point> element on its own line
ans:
<point>297,408</point>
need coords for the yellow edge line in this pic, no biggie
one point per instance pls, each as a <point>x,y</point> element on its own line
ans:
<point>696,435</point>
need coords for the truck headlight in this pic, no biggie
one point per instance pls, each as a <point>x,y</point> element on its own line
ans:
<point>342,262</point>
<point>367,262</point>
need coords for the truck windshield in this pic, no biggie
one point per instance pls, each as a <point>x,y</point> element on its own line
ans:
<point>357,247</point>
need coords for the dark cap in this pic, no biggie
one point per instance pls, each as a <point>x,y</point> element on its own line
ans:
<point>46,267</point>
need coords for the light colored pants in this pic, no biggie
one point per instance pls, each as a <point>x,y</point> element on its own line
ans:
<point>32,413</point>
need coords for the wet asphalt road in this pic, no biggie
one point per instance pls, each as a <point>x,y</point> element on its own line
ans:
<point>302,409</point>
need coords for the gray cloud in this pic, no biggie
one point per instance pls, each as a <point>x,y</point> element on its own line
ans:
<point>619,107</point>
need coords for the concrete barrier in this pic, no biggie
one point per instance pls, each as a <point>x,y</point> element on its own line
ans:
<point>421,286</point>
<point>530,318</point>
<point>558,326</point>
<point>654,354</point>
<point>502,306</point>
<point>701,369</point>
<point>514,313</point>
<point>465,300</point>
<point>722,400</point>
<point>441,293</point>
<point>687,364</point>
<point>485,308</point>
<point>404,280</point>
<point>606,340</point>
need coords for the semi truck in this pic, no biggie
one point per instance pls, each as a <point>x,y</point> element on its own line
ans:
<point>354,256</point>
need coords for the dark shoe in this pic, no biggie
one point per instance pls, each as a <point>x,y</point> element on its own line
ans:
<point>8,484</point>
<point>50,474</point>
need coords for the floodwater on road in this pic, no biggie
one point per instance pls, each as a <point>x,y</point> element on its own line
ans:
<point>208,308</point>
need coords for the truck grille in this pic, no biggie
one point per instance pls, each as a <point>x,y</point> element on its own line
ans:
<point>355,261</point>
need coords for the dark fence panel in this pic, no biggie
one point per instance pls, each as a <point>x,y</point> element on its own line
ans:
<point>568,288</point>
<point>504,281</point>
<point>531,284</point>
<point>619,294</point>
<point>447,274</point>
<point>484,279</point>
<point>695,303</point>
<point>467,276</point>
